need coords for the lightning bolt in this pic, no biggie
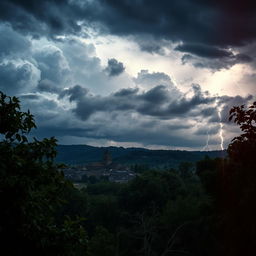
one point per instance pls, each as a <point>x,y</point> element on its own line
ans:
<point>206,147</point>
<point>219,108</point>
<point>207,141</point>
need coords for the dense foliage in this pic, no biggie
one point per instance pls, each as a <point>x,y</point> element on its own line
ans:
<point>32,191</point>
<point>238,191</point>
<point>207,209</point>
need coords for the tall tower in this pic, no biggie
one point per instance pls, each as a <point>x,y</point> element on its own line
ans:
<point>107,158</point>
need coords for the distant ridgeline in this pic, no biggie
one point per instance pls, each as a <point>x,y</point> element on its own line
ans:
<point>84,154</point>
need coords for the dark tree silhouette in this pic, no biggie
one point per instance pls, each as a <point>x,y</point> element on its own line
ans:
<point>243,147</point>
<point>32,191</point>
<point>238,177</point>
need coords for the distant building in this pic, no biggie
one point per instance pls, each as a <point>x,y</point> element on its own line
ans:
<point>107,158</point>
<point>121,176</point>
<point>106,168</point>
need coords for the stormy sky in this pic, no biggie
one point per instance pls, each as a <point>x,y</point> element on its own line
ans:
<point>146,73</point>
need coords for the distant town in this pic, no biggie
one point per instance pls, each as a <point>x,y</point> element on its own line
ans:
<point>102,170</point>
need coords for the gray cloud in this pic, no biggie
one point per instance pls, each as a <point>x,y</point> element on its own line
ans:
<point>119,117</point>
<point>81,58</point>
<point>151,48</point>
<point>209,130</point>
<point>216,63</point>
<point>121,126</point>
<point>229,102</point>
<point>12,43</point>
<point>18,77</point>
<point>53,65</point>
<point>41,17</point>
<point>156,95</point>
<point>159,101</point>
<point>187,21</point>
<point>145,78</point>
<point>46,85</point>
<point>126,92</point>
<point>204,50</point>
<point>76,93</point>
<point>114,67</point>
<point>148,43</point>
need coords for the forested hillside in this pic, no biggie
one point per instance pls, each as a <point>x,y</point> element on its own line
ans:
<point>82,154</point>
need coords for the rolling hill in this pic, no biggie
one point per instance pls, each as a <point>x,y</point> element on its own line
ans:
<point>84,154</point>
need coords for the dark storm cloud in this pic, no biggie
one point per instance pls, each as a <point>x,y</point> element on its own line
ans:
<point>216,63</point>
<point>46,85</point>
<point>52,64</point>
<point>164,120</point>
<point>224,104</point>
<point>77,92</point>
<point>16,78</point>
<point>12,43</point>
<point>223,23</point>
<point>159,101</point>
<point>151,48</point>
<point>30,97</point>
<point>142,132</point>
<point>217,24</point>
<point>205,29</point>
<point>126,92</point>
<point>210,131</point>
<point>148,136</point>
<point>120,126</point>
<point>156,95</point>
<point>114,67</point>
<point>208,111</point>
<point>243,58</point>
<point>148,43</point>
<point>229,102</point>
<point>42,17</point>
<point>204,50</point>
